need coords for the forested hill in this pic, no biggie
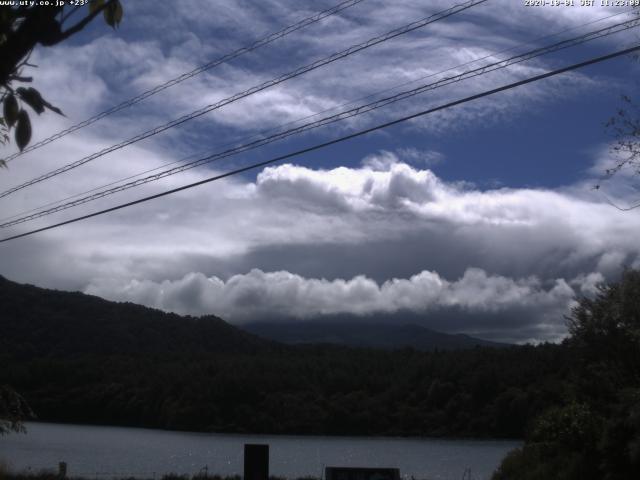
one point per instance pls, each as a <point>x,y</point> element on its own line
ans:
<point>68,323</point>
<point>41,322</point>
<point>352,332</point>
<point>77,358</point>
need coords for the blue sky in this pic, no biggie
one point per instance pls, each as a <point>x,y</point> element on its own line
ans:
<point>478,219</point>
<point>553,140</point>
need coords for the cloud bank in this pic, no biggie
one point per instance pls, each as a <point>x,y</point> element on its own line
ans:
<point>385,238</point>
<point>283,295</point>
<point>383,235</point>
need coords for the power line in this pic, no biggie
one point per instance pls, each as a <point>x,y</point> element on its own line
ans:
<point>295,73</point>
<point>620,27</point>
<point>334,118</point>
<point>115,182</point>
<point>633,206</point>
<point>185,76</point>
<point>26,217</point>
<point>334,141</point>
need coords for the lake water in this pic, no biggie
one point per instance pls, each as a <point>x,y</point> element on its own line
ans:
<point>104,452</point>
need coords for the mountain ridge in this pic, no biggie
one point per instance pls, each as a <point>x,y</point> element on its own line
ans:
<point>364,334</point>
<point>60,323</point>
<point>63,323</point>
<point>81,359</point>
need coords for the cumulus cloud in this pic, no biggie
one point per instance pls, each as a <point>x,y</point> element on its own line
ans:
<point>267,295</point>
<point>368,189</point>
<point>362,240</point>
<point>381,235</point>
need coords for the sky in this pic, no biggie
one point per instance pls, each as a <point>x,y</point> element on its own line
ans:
<point>481,218</point>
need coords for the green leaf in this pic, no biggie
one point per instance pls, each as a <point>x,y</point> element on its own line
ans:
<point>10,110</point>
<point>113,14</point>
<point>32,97</point>
<point>23,129</point>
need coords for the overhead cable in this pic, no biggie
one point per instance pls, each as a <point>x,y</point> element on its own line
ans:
<point>332,142</point>
<point>307,117</point>
<point>185,76</point>
<point>360,110</point>
<point>295,73</point>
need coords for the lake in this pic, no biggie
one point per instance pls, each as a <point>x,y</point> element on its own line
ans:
<point>104,452</point>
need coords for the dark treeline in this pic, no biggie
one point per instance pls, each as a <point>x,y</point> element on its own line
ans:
<point>321,390</point>
<point>594,434</point>
<point>6,474</point>
<point>78,358</point>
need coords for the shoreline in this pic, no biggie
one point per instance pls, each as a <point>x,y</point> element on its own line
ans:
<point>443,439</point>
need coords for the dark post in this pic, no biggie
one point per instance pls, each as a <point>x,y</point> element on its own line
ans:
<point>62,470</point>
<point>364,473</point>
<point>256,462</point>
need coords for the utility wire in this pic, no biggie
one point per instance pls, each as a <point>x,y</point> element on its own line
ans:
<point>185,76</point>
<point>344,105</point>
<point>633,206</point>
<point>295,73</point>
<point>334,141</point>
<point>623,26</point>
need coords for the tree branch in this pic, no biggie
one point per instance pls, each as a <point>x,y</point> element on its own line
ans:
<point>69,13</point>
<point>20,79</point>
<point>85,21</point>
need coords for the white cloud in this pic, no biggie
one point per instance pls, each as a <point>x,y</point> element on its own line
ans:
<point>517,253</point>
<point>418,216</point>
<point>359,227</point>
<point>427,158</point>
<point>267,295</point>
<point>85,78</point>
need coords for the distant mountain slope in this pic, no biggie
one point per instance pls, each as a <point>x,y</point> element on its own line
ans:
<point>359,334</point>
<point>37,322</point>
<point>80,359</point>
<point>40,322</point>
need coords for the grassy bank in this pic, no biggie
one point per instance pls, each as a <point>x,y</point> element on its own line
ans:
<point>7,473</point>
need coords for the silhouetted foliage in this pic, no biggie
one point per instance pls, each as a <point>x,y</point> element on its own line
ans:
<point>625,126</point>
<point>595,434</point>
<point>24,26</point>
<point>51,475</point>
<point>13,410</point>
